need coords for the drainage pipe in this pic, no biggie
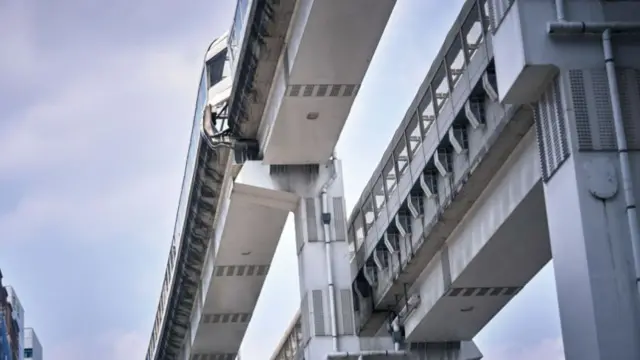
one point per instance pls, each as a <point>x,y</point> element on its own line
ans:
<point>623,153</point>
<point>326,220</point>
<point>592,28</point>
<point>396,330</point>
<point>560,10</point>
<point>562,26</point>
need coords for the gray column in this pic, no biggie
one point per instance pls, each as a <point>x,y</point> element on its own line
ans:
<point>588,228</point>
<point>323,291</point>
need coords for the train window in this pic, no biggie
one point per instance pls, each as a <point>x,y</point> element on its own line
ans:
<point>378,195</point>
<point>369,214</point>
<point>440,85</point>
<point>427,111</point>
<point>358,231</point>
<point>389,173</point>
<point>456,60</point>
<point>401,156</point>
<point>472,32</point>
<point>413,134</point>
<point>216,67</point>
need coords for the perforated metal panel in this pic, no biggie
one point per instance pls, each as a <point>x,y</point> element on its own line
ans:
<point>580,109</point>
<point>551,130</point>
<point>484,291</point>
<point>338,220</point>
<point>312,219</point>
<point>242,270</point>
<point>309,171</point>
<point>226,318</point>
<point>434,350</point>
<point>214,356</point>
<point>305,316</point>
<point>629,83</point>
<point>592,106</point>
<point>318,313</point>
<point>322,90</point>
<point>590,98</point>
<point>594,117</point>
<point>625,102</point>
<point>347,327</point>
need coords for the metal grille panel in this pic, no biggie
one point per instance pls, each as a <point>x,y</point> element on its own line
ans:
<point>323,90</point>
<point>312,219</point>
<point>604,129</point>
<point>483,291</point>
<point>347,327</point>
<point>226,318</point>
<point>551,130</point>
<point>214,356</point>
<point>629,82</point>
<point>318,313</point>
<point>241,270</point>
<point>339,218</point>
<point>593,113</point>
<point>580,109</point>
<point>304,311</point>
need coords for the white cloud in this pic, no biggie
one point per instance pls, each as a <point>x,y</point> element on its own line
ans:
<point>124,97</point>
<point>94,153</point>
<point>17,35</point>
<point>101,151</point>
<point>138,207</point>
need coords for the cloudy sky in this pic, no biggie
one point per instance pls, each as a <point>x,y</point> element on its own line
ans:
<point>96,99</point>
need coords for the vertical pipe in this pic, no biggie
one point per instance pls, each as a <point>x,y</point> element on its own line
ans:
<point>623,154</point>
<point>560,10</point>
<point>328,257</point>
<point>396,330</point>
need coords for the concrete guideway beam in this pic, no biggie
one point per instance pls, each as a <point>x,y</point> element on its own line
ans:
<point>493,252</point>
<point>258,195</point>
<point>252,214</point>
<point>329,47</point>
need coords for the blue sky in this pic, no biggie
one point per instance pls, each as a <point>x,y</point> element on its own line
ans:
<point>96,100</point>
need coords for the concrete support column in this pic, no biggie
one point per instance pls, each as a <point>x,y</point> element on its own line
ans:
<point>325,281</point>
<point>458,350</point>
<point>588,228</point>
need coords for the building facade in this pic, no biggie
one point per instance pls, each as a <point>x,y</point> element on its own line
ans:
<point>9,329</point>
<point>18,316</point>
<point>5,350</point>
<point>32,346</point>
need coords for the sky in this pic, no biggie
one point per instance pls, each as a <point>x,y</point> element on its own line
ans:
<point>96,104</point>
